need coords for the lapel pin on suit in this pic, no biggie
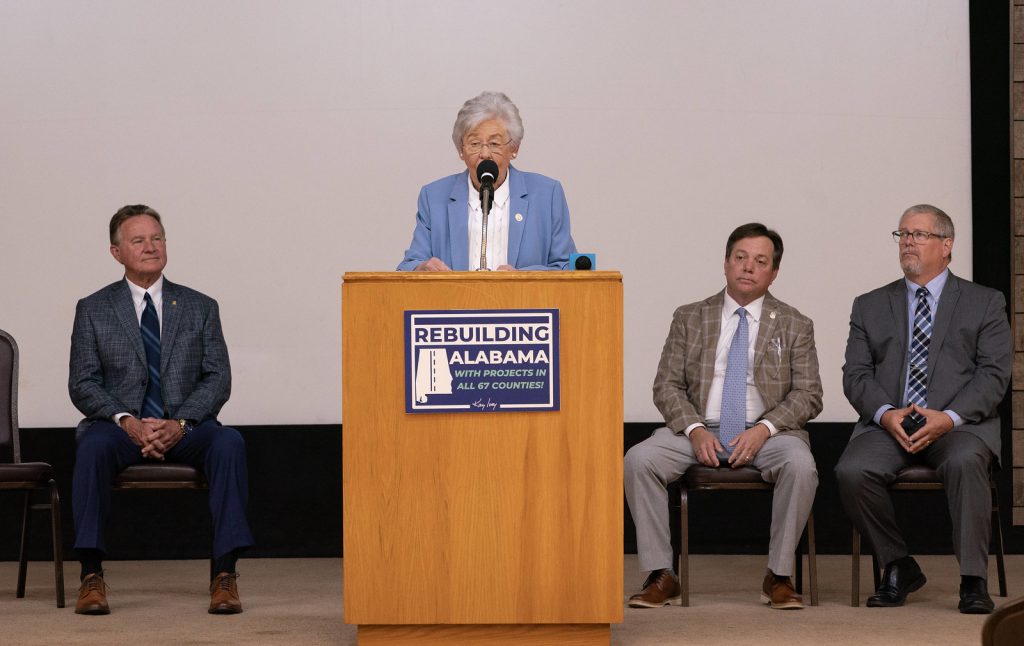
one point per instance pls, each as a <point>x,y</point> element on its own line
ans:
<point>519,217</point>
<point>174,302</point>
<point>772,316</point>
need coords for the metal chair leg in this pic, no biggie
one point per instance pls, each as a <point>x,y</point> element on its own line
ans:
<point>812,559</point>
<point>997,536</point>
<point>855,554</point>
<point>799,574</point>
<point>684,547</point>
<point>58,537</point>
<point>23,551</point>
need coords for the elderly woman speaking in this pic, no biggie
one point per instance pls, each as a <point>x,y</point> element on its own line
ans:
<point>491,215</point>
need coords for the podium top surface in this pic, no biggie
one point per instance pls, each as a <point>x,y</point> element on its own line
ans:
<point>434,276</point>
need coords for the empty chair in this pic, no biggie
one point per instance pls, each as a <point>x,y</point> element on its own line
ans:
<point>25,477</point>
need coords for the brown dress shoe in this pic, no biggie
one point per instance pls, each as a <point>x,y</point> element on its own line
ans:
<point>660,589</point>
<point>224,595</point>
<point>92,596</point>
<point>778,592</point>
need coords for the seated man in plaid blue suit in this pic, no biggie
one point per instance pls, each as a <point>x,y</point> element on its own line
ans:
<point>150,371</point>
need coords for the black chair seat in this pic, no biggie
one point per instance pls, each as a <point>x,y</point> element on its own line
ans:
<point>918,474</point>
<point>154,475</point>
<point>702,476</point>
<point>23,474</point>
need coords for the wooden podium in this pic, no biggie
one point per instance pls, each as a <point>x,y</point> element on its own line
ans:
<point>482,528</point>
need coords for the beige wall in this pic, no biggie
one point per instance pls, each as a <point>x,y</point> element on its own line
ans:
<point>285,143</point>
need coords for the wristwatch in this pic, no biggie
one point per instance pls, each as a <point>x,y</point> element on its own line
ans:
<point>186,426</point>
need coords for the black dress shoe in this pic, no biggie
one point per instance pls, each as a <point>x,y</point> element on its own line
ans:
<point>901,577</point>
<point>974,599</point>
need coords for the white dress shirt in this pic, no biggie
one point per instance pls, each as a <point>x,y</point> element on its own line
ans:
<point>156,294</point>
<point>497,227</point>
<point>731,321</point>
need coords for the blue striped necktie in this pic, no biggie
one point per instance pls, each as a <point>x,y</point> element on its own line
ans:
<point>917,378</point>
<point>733,419</point>
<point>153,406</point>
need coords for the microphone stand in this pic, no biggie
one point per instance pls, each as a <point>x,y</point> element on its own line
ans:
<point>486,197</point>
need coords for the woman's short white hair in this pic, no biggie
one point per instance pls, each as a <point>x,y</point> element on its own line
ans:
<point>486,106</point>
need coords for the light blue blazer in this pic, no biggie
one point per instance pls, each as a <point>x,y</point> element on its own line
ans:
<point>540,240</point>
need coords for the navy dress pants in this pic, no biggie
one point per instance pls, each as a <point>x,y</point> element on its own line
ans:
<point>104,450</point>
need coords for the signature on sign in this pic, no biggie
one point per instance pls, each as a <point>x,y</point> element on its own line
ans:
<point>482,405</point>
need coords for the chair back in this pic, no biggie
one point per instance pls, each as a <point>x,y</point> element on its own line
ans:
<point>1005,626</point>
<point>9,444</point>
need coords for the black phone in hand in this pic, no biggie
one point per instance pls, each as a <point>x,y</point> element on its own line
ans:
<point>911,423</point>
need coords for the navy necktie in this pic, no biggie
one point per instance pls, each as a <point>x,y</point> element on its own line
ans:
<point>733,419</point>
<point>917,370</point>
<point>153,406</point>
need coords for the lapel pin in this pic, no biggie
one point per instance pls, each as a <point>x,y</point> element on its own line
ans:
<point>176,302</point>
<point>772,316</point>
<point>519,217</point>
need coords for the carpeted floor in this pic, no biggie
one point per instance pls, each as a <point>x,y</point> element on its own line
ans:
<point>299,601</point>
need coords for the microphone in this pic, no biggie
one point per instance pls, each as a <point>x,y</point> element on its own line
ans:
<point>583,261</point>
<point>486,174</point>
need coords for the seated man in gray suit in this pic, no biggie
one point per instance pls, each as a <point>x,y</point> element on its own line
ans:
<point>738,379</point>
<point>150,372</point>
<point>928,360</point>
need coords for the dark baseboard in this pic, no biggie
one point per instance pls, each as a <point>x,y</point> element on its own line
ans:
<point>294,500</point>
<point>295,503</point>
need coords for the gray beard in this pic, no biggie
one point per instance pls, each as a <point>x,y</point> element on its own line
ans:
<point>911,266</point>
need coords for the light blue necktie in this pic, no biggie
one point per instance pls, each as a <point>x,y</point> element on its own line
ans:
<point>917,371</point>
<point>153,406</point>
<point>733,419</point>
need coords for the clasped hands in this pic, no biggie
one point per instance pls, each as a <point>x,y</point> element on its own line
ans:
<point>936,424</point>
<point>155,436</point>
<point>745,446</point>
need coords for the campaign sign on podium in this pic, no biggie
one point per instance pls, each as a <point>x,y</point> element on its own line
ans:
<point>481,360</point>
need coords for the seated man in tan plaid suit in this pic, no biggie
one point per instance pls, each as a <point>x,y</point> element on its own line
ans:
<point>737,381</point>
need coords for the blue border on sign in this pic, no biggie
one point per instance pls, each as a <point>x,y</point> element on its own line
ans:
<point>481,360</point>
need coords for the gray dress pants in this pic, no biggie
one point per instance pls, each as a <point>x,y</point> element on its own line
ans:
<point>872,460</point>
<point>663,457</point>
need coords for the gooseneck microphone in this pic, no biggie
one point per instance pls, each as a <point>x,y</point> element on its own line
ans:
<point>486,175</point>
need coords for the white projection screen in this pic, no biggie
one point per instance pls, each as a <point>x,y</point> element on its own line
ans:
<point>285,144</point>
